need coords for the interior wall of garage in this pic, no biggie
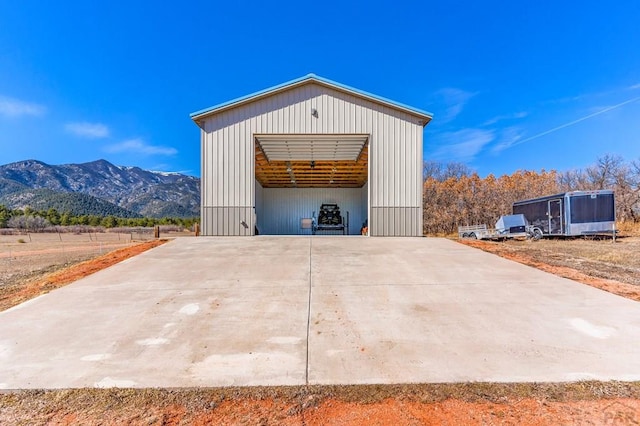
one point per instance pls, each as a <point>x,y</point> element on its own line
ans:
<point>259,206</point>
<point>395,155</point>
<point>279,210</point>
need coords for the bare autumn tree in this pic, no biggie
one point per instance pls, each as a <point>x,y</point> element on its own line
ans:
<point>29,223</point>
<point>627,189</point>
<point>634,209</point>
<point>571,180</point>
<point>454,195</point>
<point>453,198</point>
<point>602,175</point>
<point>609,172</point>
<point>442,172</point>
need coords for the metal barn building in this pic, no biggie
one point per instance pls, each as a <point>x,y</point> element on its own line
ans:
<point>272,158</point>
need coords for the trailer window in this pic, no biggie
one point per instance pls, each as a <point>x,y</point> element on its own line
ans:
<point>586,209</point>
<point>535,213</point>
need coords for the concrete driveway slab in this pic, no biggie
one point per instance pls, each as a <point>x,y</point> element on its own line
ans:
<point>460,315</point>
<point>190,313</point>
<point>317,310</point>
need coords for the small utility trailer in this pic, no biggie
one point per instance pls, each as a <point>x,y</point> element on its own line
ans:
<point>571,214</point>
<point>510,226</point>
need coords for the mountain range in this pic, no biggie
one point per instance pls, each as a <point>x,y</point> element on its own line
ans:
<point>99,188</point>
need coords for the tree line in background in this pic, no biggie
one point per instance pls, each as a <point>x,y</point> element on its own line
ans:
<point>37,220</point>
<point>454,195</point>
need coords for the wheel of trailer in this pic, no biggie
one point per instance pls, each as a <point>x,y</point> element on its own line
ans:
<point>465,235</point>
<point>537,234</point>
<point>473,235</point>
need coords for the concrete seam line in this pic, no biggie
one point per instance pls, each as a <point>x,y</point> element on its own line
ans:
<point>306,374</point>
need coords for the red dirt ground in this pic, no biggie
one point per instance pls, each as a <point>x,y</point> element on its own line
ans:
<point>204,407</point>
<point>15,294</point>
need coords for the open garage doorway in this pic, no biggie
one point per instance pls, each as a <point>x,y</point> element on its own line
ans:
<point>309,184</point>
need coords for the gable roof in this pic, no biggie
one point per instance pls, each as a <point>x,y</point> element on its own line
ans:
<point>310,78</point>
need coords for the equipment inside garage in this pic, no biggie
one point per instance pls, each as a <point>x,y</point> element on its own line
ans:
<point>309,184</point>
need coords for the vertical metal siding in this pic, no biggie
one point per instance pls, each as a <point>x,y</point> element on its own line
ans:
<point>282,208</point>
<point>395,221</point>
<point>259,205</point>
<point>395,156</point>
<point>396,175</point>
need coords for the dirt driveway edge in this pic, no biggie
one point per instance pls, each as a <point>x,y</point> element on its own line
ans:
<point>12,295</point>
<point>455,403</point>
<point>528,258</point>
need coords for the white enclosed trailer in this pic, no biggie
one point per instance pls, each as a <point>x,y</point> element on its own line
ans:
<point>571,214</point>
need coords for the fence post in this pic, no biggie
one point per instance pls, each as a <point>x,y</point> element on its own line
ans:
<point>156,231</point>
<point>196,228</point>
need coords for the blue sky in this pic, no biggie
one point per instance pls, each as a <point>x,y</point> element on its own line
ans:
<point>512,85</point>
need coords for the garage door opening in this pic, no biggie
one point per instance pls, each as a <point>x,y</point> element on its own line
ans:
<point>297,174</point>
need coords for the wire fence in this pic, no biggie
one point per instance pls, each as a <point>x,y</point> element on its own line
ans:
<point>135,233</point>
<point>23,253</point>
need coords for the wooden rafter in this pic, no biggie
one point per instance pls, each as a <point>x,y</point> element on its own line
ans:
<point>301,174</point>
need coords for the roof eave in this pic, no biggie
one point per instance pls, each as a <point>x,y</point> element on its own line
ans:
<point>247,98</point>
<point>197,116</point>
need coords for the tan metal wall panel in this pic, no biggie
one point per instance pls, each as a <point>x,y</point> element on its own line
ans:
<point>395,151</point>
<point>227,221</point>
<point>395,222</point>
<point>396,156</point>
<point>375,223</point>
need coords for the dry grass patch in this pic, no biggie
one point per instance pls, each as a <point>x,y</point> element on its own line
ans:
<point>602,263</point>
<point>36,283</point>
<point>513,403</point>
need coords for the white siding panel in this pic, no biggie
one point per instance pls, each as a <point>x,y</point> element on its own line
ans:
<point>244,180</point>
<point>224,146</point>
<point>375,174</point>
<point>410,169</point>
<point>387,144</point>
<point>203,178</point>
<point>230,164</point>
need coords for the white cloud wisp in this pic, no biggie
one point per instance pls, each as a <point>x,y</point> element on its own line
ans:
<point>508,137</point>
<point>462,145</point>
<point>454,100</point>
<point>88,130</point>
<point>11,107</point>
<point>514,116</point>
<point>571,123</point>
<point>138,146</point>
